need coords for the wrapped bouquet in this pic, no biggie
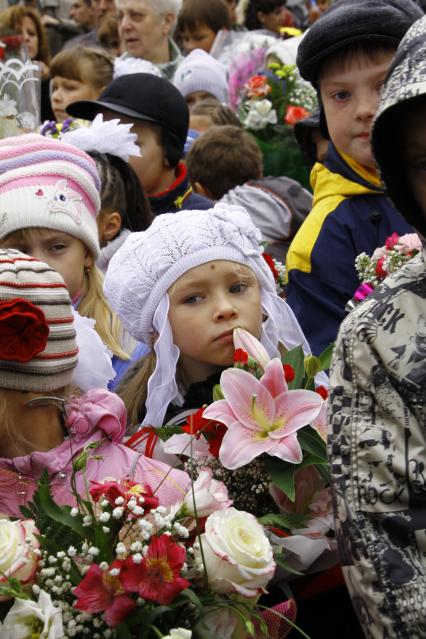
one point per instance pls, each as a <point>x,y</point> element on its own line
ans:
<point>121,565</point>
<point>387,259</point>
<point>264,438</point>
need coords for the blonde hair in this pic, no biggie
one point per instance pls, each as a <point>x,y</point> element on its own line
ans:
<point>84,64</point>
<point>93,304</point>
<point>133,388</point>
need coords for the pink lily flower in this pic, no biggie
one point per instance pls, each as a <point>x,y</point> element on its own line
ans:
<point>248,343</point>
<point>262,416</point>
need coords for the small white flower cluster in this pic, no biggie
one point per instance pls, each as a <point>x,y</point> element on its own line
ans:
<point>366,265</point>
<point>260,114</point>
<point>54,578</point>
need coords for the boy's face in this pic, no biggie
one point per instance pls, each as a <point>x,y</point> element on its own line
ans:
<point>142,31</point>
<point>152,169</point>
<point>200,38</point>
<point>206,304</point>
<point>350,97</point>
<point>414,153</point>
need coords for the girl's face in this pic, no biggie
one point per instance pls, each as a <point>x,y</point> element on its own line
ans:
<point>29,31</point>
<point>63,252</point>
<point>206,304</point>
<point>64,91</point>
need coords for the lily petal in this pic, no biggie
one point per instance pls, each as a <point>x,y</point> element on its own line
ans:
<point>239,387</point>
<point>181,445</point>
<point>245,340</point>
<point>273,379</point>
<point>240,446</point>
<point>288,449</point>
<point>220,411</point>
<point>299,407</point>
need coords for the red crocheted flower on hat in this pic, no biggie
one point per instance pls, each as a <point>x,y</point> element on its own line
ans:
<point>23,330</point>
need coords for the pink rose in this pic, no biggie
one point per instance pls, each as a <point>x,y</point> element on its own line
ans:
<point>408,243</point>
<point>210,495</point>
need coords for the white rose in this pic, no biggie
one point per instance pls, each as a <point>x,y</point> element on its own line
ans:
<point>179,633</point>
<point>17,546</point>
<point>210,495</point>
<point>219,624</point>
<point>27,619</point>
<point>237,553</point>
<point>263,107</point>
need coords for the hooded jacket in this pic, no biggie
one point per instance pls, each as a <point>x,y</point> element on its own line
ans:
<point>377,432</point>
<point>97,416</point>
<point>351,214</point>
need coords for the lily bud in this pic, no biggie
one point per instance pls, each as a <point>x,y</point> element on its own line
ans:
<point>247,342</point>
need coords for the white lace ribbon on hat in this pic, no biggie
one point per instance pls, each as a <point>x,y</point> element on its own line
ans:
<point>162,387</point>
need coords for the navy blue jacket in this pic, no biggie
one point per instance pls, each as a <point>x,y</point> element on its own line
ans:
<point>179,196</point>
<point>351,215</point>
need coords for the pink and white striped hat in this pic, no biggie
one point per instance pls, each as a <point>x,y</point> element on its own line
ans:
<point>50,184</point>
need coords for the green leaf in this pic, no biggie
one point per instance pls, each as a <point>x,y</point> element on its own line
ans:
<point>311,442</point>
<point>217,393</point>
<point>283,564</point>
<point>282,474</point>
<point>288,521</point>
<point>325,357</point>
<point>192,597</point>
<point>296,357</point>
<point>60,514</point>
<point>313,460</point>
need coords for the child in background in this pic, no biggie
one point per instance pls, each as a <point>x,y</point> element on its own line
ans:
<point>199,23</point>
<point>270,15</point>
<point>42,425</point>
<point>225,163</point>
<point>79,73</point>
<point>210,113</point>
<point>200,77</point>
<point>346,55</point>
<point>49,195</point>
<point>124,205</point>
<point>378,387</point>
<point>160,117</point>
<point>181,287</point>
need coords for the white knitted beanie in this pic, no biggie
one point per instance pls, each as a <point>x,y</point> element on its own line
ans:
<point>199,71</point>
<point>50,184</point>
<point>148,263</point>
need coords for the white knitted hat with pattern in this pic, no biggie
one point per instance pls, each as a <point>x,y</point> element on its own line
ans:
<point>148,263</point>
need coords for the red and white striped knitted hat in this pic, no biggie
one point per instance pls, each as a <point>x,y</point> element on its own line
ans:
<point>50,184</point>
<point>38,349</point>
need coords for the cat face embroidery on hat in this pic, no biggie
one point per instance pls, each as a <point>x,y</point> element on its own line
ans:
<point>62,199</point>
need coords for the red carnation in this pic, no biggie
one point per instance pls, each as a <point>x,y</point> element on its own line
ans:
<point>392,241</point>
<point>289,373</point>
<point>23,330</point>
<point>240,356</point>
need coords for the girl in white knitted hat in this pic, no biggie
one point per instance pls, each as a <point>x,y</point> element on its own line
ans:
<point>182,287</point>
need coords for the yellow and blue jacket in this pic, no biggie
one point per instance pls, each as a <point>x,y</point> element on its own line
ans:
<point>351,214</point>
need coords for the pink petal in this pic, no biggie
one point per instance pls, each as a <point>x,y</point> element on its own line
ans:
<point>240,446</point>
<point>299,407</point>
<point>221,411</point>
<point>181,445</point>
<point>238,386</point>
<point>120,608</point>
<point>273,379</point>
<point>288,449</point>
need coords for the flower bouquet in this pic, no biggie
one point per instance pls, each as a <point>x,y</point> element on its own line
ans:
<point>387,259</point>
<point>121,565</point>
<point>263,437</point>
<point>271,105</point>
